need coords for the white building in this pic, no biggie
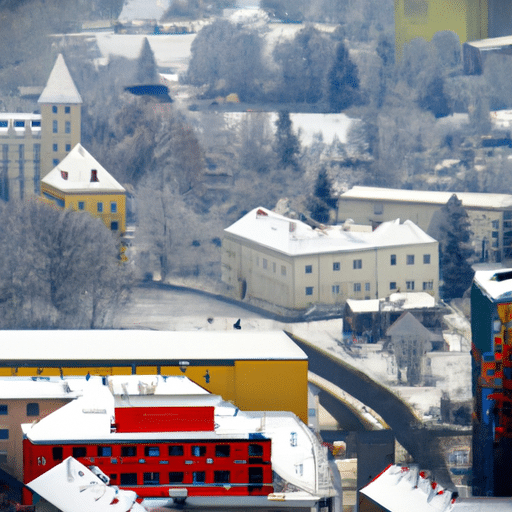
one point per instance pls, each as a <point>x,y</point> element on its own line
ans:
<point>287,263</point>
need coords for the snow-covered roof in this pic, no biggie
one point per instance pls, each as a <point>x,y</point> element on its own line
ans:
<point>496,284</point>
<point>19,116</point>
<point>74,174</point>
<point>469,199</point>
<point>293,237</point>
<point>137,345</point>
<point>402,489</point>
<point>143,9</point>
<point>399,300</point>
<point>15,388</point>
<point>491,43</point>
<point>60,87</point>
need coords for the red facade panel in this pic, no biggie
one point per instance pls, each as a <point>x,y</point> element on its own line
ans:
<point>164,419</point>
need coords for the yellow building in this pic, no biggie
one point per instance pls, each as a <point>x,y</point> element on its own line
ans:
<point>257,371</point>
<point>469,19</point>
<point>81,183</point>
<point>31,144</point>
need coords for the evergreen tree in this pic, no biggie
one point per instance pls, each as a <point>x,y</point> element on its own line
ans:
<point>454,249</point>
<point>322,201</point>
<point>342,81</point>
<point>146,65</point>
<point>434,98</point>
<point>287,144</point>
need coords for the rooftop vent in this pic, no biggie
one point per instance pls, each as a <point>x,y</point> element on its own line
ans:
<point>502,276</point>
<point>64,175</point>
<point>94,175</point>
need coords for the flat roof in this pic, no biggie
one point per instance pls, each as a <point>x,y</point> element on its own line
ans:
<point>491,43</point>
<point>118,347</point>
<point>14,388</point>
<point>294,238</point>
<point>469,199</point>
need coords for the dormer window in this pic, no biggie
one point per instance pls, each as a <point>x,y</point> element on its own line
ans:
<point>64,175</point>
<point>94,175</point>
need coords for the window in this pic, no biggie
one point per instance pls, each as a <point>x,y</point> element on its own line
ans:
<point>417,9</point>
<point>33,409</point>
<point>366,287</point>
<point>104,451</point>
<point>4,124</point>
<point>428,285</point>
<point>274,267</point>
<point>176,477</point>
<point>357,287</point>
<point>79,451</point>
<point>222,450</point>
<point>54,109</point>
<point>255,450</point>
<point>67,110</point>
<point>309,269</point>
<point>357,264</point>
<point>336,266</point>
<point>335,289</point>
<point>55,162</point>
<point>393,259</point>
<point>175,451</point>
<point>255,475</point>
<point>68,147</point>
<point>81,205</point>
<point>4,410</point>
<point>495,224</point>
<point>55,126</point>
<point>409,285</point>
<point>19,124</point>
<point>151,478</point>
<point>113,207</point>
<point>378,208</point>
<point>114,225</point>
<point>309,290</point>
<point>4,433</point>
<point>99,207</point>
<point>426,259</point>
<point>265,263</point>
<point>128,478</point>
<point>55,147</point>
<point>283,270</point>
<point>198,477</point>
<point>3,456</point>
<point>151,451</point>
<point>36,124</point>
<point>198,451</point>
<point>57,453</point>
<point>128,451</point>
<point>67,127</point>
<point>392,285</point>
<point>410,259</point>
<point>221,477</point>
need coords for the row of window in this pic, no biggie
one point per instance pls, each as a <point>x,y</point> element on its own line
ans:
<point>67,126</point>
<point>55,109</point>
<point>17,123</point>
<point>221,450</point>
<point>265,265</point>
<point>32,409</point>
<point>410,286</point>
<point>56,147</point>
<point>180,477</point>
<point>99,206</point>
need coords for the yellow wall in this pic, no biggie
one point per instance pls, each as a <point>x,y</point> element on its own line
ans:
<point>251,385</point>
<point>61,138</point>
<point>91,201</point>
<point>423,18</point>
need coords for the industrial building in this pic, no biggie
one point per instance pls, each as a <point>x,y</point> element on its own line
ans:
<point>257,371</point>
<point>284,262</point>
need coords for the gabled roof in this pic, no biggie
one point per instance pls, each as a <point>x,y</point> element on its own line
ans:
<point>73,174</point>
<point>60,87</point>
<point>407,324</point>
<point>293,237</point>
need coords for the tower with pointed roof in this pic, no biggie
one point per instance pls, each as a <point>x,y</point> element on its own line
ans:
<point>60,104</point>
<point>81,183</point>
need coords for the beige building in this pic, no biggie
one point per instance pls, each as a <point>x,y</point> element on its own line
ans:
<point>31,145</point>
<point>25,401</point>
<point>284,262</point>
<point>490,214</point>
